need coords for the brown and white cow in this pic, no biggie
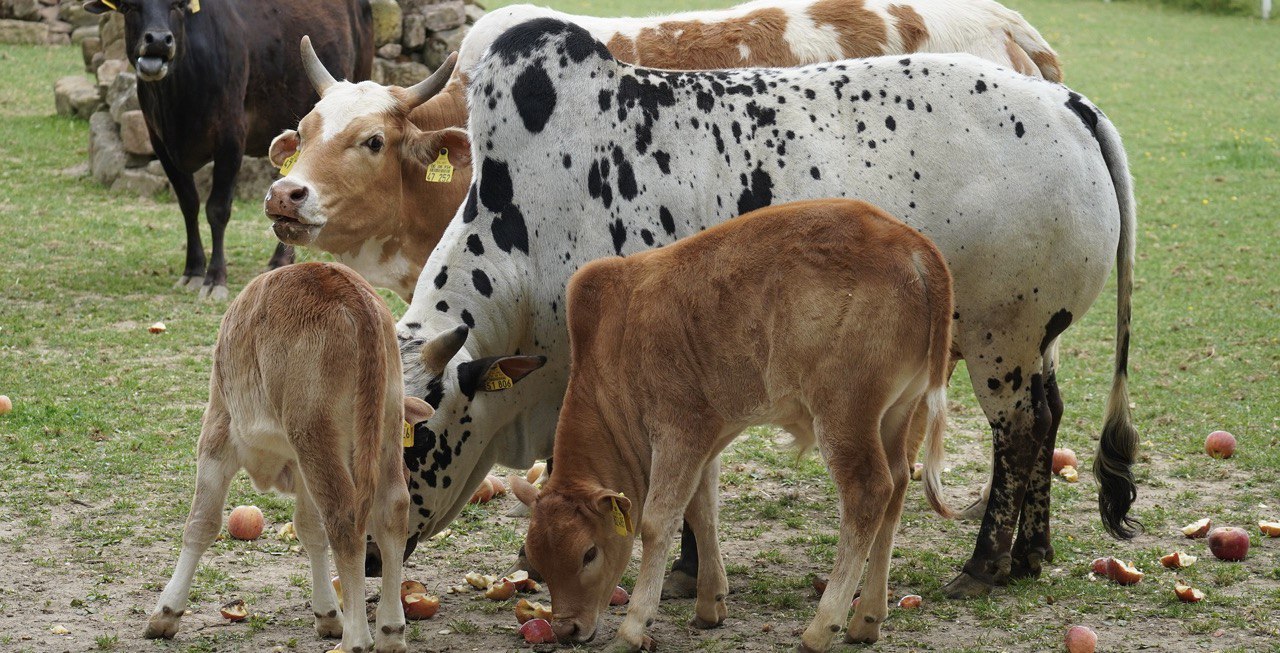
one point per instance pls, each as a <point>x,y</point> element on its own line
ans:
<point>374,210</point>
<point>828,318</point>
<point>306,396</point>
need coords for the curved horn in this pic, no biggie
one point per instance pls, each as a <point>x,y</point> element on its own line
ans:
<point>316,72</point>
<point>427,88</point>
<point>438,351</point>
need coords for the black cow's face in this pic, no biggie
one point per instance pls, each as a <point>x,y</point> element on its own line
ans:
<point>153,31</point>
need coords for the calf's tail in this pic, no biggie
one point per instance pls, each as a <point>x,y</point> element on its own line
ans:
<point>370,402</point>
<point>937,280</point>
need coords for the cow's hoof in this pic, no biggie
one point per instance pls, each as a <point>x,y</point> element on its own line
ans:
<point>703,624</point>
<point>1028,565</point>
<point>214,293</point>
<point>863,632</point>
<point>190,283</point>
<point>679,585</point>
<point>162,626</point>
<point>965,586</point>
<point>329,627</point>
<point>391,645</point>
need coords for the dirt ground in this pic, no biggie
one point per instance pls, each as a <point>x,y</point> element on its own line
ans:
<point>101,592</point>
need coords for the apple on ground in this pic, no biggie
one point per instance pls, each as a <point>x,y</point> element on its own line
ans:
<point>420,606</point>
<point>498,488</point>
<point>1081,639</point>
<point>537,631</point>
<point>245,523</point>
<point>1229,543</point>
<point>484,493</point>
<point>1177,560</point>
<point>501,590</point>
<point>1069,474</point>
<point>157,327</point>
<point>235,610</point>
<point>1198,528</point>
<point>1064,458</point>
<point>1187,593</point>
<point>535,472</point>
<point>910,601</point>
<point>917,471</point>
<point>1269,528</point>
<point>6,404</point>
<point>1220,444</point>
<point>1117,570</point>
<point>526,610</point>
<point>619,596</point>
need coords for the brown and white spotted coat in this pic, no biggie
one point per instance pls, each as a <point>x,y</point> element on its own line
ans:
<point>384,219</point>
<point>828,318</point>
<point>306,396</point>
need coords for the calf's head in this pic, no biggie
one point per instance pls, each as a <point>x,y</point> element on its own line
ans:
<point>349,157</point>
<point>578,541</point>
<point>154,31</point>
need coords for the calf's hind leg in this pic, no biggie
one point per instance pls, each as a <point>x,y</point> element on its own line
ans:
<point>216,465</point>
<point>310,527</point>
<point>389,523</point>
<point>701,518</point>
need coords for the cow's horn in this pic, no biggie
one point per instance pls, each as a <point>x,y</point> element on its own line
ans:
<point>320,78</point>
<point>438,351</point>
<point>427,88</point>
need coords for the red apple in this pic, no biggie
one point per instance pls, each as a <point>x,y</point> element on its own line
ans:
<point>1197,528</point>
<point>1064,458</point>
<point>501,590</point>
<point>1187,593</point>
<point>420,606</point>
<point>498,488</point>
<point>1117,570</point>
<point>1220,444</point>
<point>158,327</point>
<point>1102,566</point>
<point>917,471</point>
<point>537,631</point>
<point>1177,560</point>
<point>245,523</point>
<point>1081,639</point>
<point>535,472</point>
<point>235,611</point>
<point>6,404</point>
<point>412,587</point>
<point>484,493</point>
<point>1229,543</point>
<point>910,601</point>
<point>619,597</point>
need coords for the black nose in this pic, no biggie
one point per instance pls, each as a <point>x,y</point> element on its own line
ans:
<point>164,38</point>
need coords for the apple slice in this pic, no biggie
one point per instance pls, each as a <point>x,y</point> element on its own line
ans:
<point>1187,593</point>
<point>501,590</point>
<point>479,581</point>
<point>1069,474</point>
<point>1177,560</point>
<point>234,611</point>
<point>420,606</point>
<point>1270,528</point>
<point>1198,528</point>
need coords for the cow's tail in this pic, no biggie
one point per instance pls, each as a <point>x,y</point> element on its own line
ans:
<point>372,431</point>
<point>1118,447</point>
<point>933,270</point>
<point>1033,44</point>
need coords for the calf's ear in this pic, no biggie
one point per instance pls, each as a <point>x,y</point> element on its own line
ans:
<point>99,6</point>
<point>524,490</point>
<point>496,373</point>
<point>283,147</point>
<point>417,410</point>
<point>616,508</point>
<point>426,146</point>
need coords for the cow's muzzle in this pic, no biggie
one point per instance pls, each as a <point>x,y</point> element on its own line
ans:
<point>155,51</point>
<point>283,205</point>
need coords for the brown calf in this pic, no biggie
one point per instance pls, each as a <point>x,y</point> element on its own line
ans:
<point>306,396</point>
<point>828,318</point>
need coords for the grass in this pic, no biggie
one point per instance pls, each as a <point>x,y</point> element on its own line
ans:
<point>97,461</point>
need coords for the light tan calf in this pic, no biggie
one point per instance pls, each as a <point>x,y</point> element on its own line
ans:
<point>375,210</point>
<point>827,318</point>
<point>306,396</point>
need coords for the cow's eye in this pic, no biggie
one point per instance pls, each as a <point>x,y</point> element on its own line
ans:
<point>374,143</point>
<point>589,556</point>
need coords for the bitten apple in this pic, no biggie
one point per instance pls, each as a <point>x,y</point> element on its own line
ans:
<point>484,493</point>
<point>1220,444</point>
<point>1081,639</point>
<point>619,596</point>
<point>1229,543</point>
<point>1069,474</point>
<point>235,611</point>
<point>1177,560</point>
<point>535,472</point>
<point>420,606</point>
<point>1187,593</point>
<point>910,601</point>
<point>537,631</point>
<point>245,523</point>
<point>498,488</point>
<point>1064,458</point>
<point>1269,528</point>
<point>1198,528</point>
<point>501,590</point>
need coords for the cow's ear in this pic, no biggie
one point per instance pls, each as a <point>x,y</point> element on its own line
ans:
<point>99,6</point>
<point>282,147</point>
<point>417,410</point>
<point>617,509</point>
<point>525,491</point>
<point>426,146</point>
<point>496,373</point>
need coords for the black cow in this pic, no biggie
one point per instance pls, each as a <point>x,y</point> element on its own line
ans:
<point>219,81</point>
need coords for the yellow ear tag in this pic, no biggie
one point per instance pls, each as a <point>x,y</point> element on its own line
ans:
<point>194,5</point>
<point>496,380</point>
<point>441,171</point>
<point>288,164</point>
<point>621,520</point>
<point>111,4</point>
<point>407,441</point>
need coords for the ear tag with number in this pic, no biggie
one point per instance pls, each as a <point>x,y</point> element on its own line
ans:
<point>621,521</point>
<point>441,171</point>
<point>194,5</point>
<point>496,380</point>
<point>288,164</point>
<point>407,441</point>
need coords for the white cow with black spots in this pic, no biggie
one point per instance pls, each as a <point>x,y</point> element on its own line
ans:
<point>1022,183</point>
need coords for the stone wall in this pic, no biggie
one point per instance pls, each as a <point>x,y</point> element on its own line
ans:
<point>43,22</point>
<point>412,38</point>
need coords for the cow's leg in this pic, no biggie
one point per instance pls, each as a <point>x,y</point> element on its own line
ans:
<point>1033,545</point>
<point>284,255</point>
<point>226,167</point>
<point>184,187</point>
<point>310,526</point>
<point>1011,393</point>
<point>850,443</point>
<point>216,465</point>
<point>334,492</point>
<point>389,522</point>
<point>676,472</point>
<point>701,519</point>
<point>682,582</point>
<point>898,432</point>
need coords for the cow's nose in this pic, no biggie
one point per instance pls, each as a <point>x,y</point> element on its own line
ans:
<point>163,38</point>
<point>285,197</point>
<point>564,630</point>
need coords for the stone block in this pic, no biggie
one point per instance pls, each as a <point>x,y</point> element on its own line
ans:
<point>76,96</point>
<point>114,51</point>
<point>140,182</point>
<point>89,47</point>
<point>390,51</point>
<point>386,22</point>
<point>106,153</point>
<point>122,95</point>
<point>74,13</point>
<point>21,32</point>
<point>80,34</point>
<point>402,73</point>
<point>111,26</point>
<point>133,133</point>
<point>474,12</point>
<point>415,32</point>
<point>108,71</point>
<point>444,16</point>
<point>25,9</point>
<point>441,44</point>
